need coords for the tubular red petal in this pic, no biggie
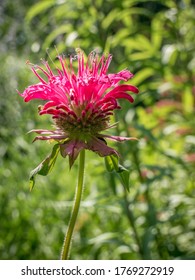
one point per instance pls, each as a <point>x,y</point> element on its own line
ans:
<point>106,65</point>
<point>49,104</point>
<point>48,68</point>
<point>124,88</point>
<point>63,67</point>
<point>45,72</point>
<point>38,76</point>
<point>122,95</point>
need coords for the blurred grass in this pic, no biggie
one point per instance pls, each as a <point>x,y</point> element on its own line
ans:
<point>156,41</point>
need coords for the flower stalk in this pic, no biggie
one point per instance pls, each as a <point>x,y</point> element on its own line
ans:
<point>78,195</point>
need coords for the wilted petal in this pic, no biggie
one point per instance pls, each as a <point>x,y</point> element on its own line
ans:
<point>72,148</point>
<point>45,131</point>
<point>100,147</point>
<point>50,137</point>
<point>117,138</point>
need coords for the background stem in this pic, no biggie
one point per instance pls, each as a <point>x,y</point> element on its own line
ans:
<point>78,195</point>
<point>131,219</point>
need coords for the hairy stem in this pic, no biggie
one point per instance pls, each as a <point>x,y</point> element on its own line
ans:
<point>75,210</point>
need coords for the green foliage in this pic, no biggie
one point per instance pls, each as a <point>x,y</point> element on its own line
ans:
<point>45,167</point>
<point>112,164</point>
<point>156,219</point>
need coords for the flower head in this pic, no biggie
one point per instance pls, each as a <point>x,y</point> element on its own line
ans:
<point>80,103</point>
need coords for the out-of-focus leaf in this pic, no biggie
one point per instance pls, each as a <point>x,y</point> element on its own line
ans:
<point>38,8</point>
<point>159,172</point>
<point>136,10</point>
<point>146,133</point>
<point>144,42</point>
<point>45,166</point>
<point>188,100</point>
<point>131,44</point>
<point>105,237</point>
<point>156,33</point>
<point>169,54</point>
<point>112,16</point>
<point>54,34</point>
<point>141,55</point>
<point>138,42</point>
<point>64,9</point>
<point>170,154</point>
<point>122,15</point>
<point>170,3</point>
<point>143,75</point>
<point>120,36</point>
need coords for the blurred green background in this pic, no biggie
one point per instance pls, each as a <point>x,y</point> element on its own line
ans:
<point>156,41</point>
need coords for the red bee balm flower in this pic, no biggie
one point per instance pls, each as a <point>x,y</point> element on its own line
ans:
<point>80,103</point>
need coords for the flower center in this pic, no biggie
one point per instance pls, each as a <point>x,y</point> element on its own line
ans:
<point>82,123</point>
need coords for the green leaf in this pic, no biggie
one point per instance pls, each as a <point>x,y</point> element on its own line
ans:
<point>124,176</point>
<point>115,163</point>
<point>188,100</point>
<point>142,75</point>
<point>141,55</point>
<point>45,166</point>
<point>109,164</point>
<point>156,32</point>
<point>38,8</point>
<point>112,16</point>
<point>112,164</point>
<point>146,132</point>
<point>63,29</point>
<point>144,42</point>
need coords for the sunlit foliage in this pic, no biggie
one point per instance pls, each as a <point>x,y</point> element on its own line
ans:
<point>156,220</point>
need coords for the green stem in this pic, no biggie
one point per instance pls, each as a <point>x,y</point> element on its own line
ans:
<point>131,219</point>
<point>77,201</point>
